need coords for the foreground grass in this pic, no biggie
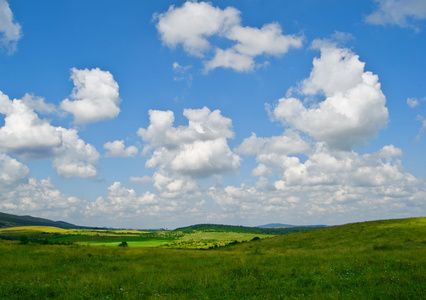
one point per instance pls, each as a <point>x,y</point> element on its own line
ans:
<point>373,260</point>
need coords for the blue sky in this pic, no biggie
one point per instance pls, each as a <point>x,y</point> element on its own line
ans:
<point>150,114</point>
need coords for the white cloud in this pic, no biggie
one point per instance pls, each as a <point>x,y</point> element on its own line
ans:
<point>423,128</point>
<point>37,104</point>
<point>10,31</point>
<point>198,150</point>
<point>267,40</point>
<point>27,136</point>
<point>288,143</point>
<point>175,186</point>
<point>412,102</point>
<point>202,159</point>
<point>12,172</point>
<point>95,96</point>
<point>143,180</point>
<point>181,73</point>
<point>230,58</point>
<point>23,133</point>
<point>194,23</point>
<point>354,107</point>
<point>311,169</point>
<point>39,198</point>
<point>191,25</point>
<point>397,12</point>
<point>333,186</point>
<point>75,158</point>
<point>122,202</point>
<point>117,149</point>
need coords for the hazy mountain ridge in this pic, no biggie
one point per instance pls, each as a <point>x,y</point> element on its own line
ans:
<point>10,220</point>
<point>280,225</point>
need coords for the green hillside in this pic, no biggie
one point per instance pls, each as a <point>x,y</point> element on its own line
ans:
<point>372,260</point>
<point>10,220</point>
<point>243,229</point>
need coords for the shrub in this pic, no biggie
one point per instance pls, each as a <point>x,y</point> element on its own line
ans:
<point>123,244</point>
<point>23,240</point>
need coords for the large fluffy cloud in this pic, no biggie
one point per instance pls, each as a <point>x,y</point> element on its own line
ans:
<point>94,98</point>
<point>21,194</point>
<point>397,12</point>
<point>354,107</point>
<point>24,133</point>
<point>10,31</point>
<point>198,150</point>
<point>311,168</point>
<point>27,136</point>
<point>12,172</point>
<point>192,24</point>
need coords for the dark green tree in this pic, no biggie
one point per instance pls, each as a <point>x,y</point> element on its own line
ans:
<point>23,240</point>
<point>123,244</point>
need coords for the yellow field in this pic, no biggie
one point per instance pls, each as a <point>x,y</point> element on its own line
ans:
<point>221,236</point>
<point>28,230</point>
<point>33,230</point>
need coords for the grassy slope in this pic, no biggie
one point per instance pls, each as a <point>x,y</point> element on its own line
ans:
<point>10,220</point>
<point>373,260</point>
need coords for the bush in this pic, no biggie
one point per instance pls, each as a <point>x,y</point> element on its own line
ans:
<point>123,244</point>
<point>23,240</point>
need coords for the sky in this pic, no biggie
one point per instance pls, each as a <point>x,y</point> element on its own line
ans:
<point>161,114</point>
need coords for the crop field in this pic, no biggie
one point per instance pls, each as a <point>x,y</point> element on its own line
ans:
<point>134,238</point>
<point>371,260</point>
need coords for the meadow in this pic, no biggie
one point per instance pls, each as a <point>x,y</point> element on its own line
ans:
<point>371,260</point>
<point>205,236</point>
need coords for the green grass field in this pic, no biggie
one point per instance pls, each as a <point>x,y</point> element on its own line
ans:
<point>133,238</point>
<point>372,260</point>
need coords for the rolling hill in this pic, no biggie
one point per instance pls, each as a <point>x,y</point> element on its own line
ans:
<point>10,220</point>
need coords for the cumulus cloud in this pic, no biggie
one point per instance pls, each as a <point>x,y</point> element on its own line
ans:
<point>230,58</point>
<point>28,137</point>
<point>122,202</point>
<point>94,98</point>
<point>397,12</point>
<point>37,104</point>
<point>75,158</point>
<point>354,107</point>
<point>24,195</point>
<point>12,172</point>
<point>197,150</point>
<point>192,24</point>
<point>330,184</point>
<point>117,149</point>
<point>10,31</point>
<point>311,169</point>
<point>24,133</point>
<point>269,39</point>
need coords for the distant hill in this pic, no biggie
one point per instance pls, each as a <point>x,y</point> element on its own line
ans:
<point>243,229</point>
<point>275,225</point>
<point>279,225</point>
<point>9,220</point>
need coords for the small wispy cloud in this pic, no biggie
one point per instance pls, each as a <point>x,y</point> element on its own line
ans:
<point>412,102</point>
<point>10,31</point>
<point>400,13</point>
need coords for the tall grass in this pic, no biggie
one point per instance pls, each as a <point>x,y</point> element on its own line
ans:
<point>374,260</point>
